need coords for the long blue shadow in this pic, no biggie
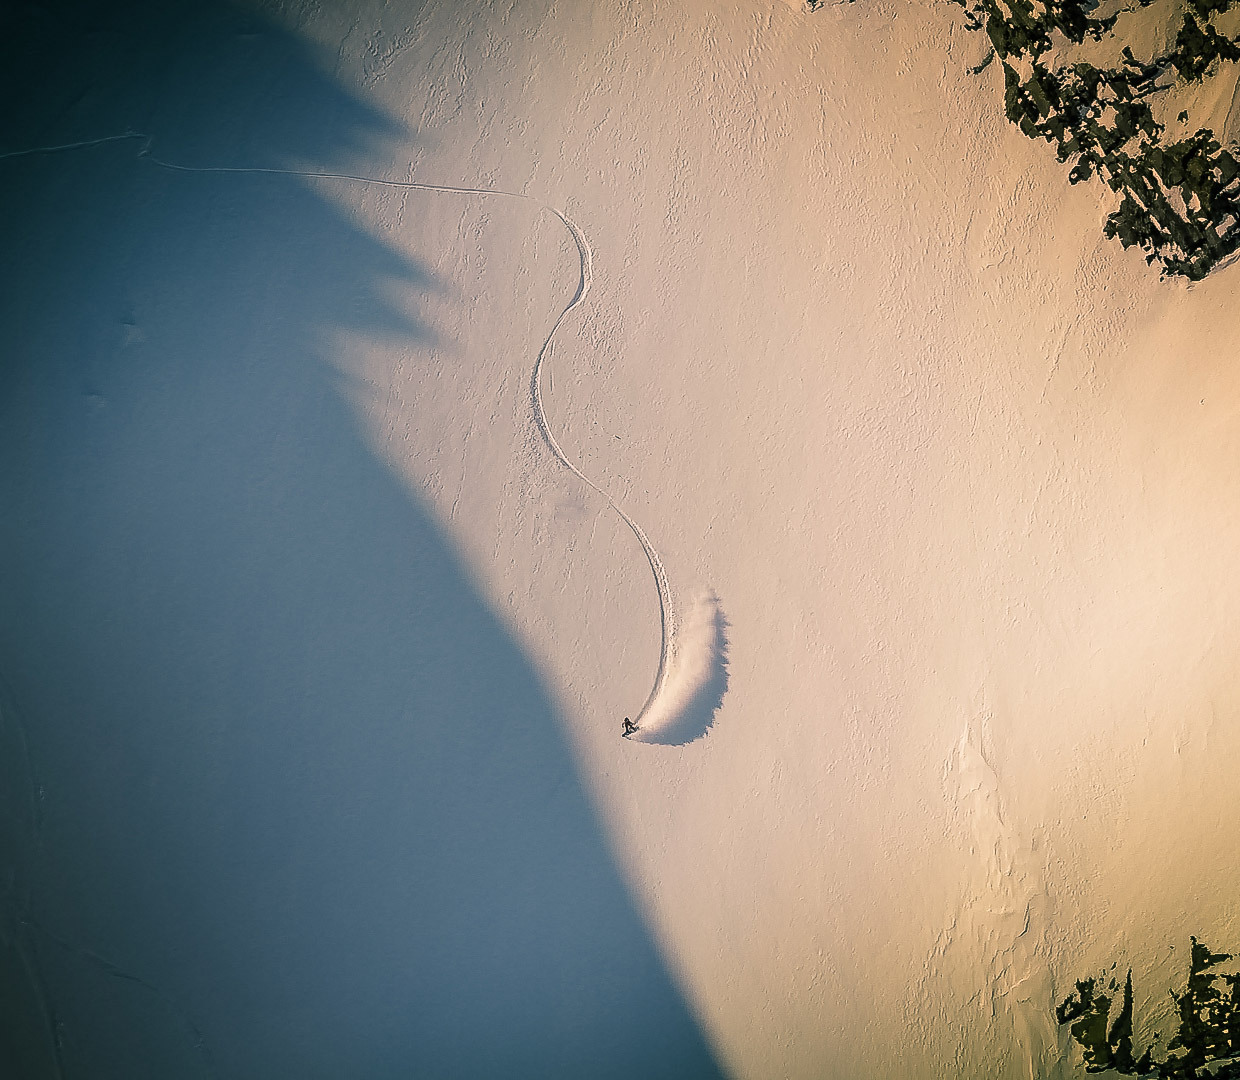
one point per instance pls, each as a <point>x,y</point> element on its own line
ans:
<point>296,804</point>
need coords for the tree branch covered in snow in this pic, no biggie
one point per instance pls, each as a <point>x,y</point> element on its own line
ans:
<point>1179,198</point>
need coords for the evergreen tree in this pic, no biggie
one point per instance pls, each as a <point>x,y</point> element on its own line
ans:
<point>1179,199</point>
<point>1207,1040</point>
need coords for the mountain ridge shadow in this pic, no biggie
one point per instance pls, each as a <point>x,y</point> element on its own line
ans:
<point>294,791</point>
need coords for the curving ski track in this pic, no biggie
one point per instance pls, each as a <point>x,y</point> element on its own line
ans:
<point>667,623</point>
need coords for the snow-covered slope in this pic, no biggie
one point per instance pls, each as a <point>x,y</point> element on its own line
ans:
<point>854,357</point>
<point>956,467</point>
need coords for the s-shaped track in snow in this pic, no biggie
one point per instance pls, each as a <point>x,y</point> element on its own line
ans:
<point>667,621</point>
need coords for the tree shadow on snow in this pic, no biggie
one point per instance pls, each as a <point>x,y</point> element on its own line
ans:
<point>302,805</point>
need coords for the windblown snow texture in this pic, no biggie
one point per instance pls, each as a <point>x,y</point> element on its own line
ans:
<point>694,677</point>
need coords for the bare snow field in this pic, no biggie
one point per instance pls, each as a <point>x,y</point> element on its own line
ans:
<point>342,519</point>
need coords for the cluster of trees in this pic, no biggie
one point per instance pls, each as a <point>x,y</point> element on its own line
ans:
<point>1206,1043</point>
<point>1179,198</point>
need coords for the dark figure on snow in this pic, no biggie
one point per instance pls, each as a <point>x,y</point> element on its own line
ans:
<point>629,727</point>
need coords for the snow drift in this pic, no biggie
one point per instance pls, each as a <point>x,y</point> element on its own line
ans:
<point>694,678</point>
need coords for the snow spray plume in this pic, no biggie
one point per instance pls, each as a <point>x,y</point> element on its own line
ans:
<point>691,672</point>
<point>693,679</point>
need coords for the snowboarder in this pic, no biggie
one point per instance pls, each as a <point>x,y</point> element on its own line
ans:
<point>629,728</point>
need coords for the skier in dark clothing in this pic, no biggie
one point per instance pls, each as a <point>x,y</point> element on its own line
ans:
<point>629,728</point>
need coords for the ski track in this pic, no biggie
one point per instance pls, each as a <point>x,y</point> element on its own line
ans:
<point>196,1038</point>
<point>27,932</point>
<point>667,617</point>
